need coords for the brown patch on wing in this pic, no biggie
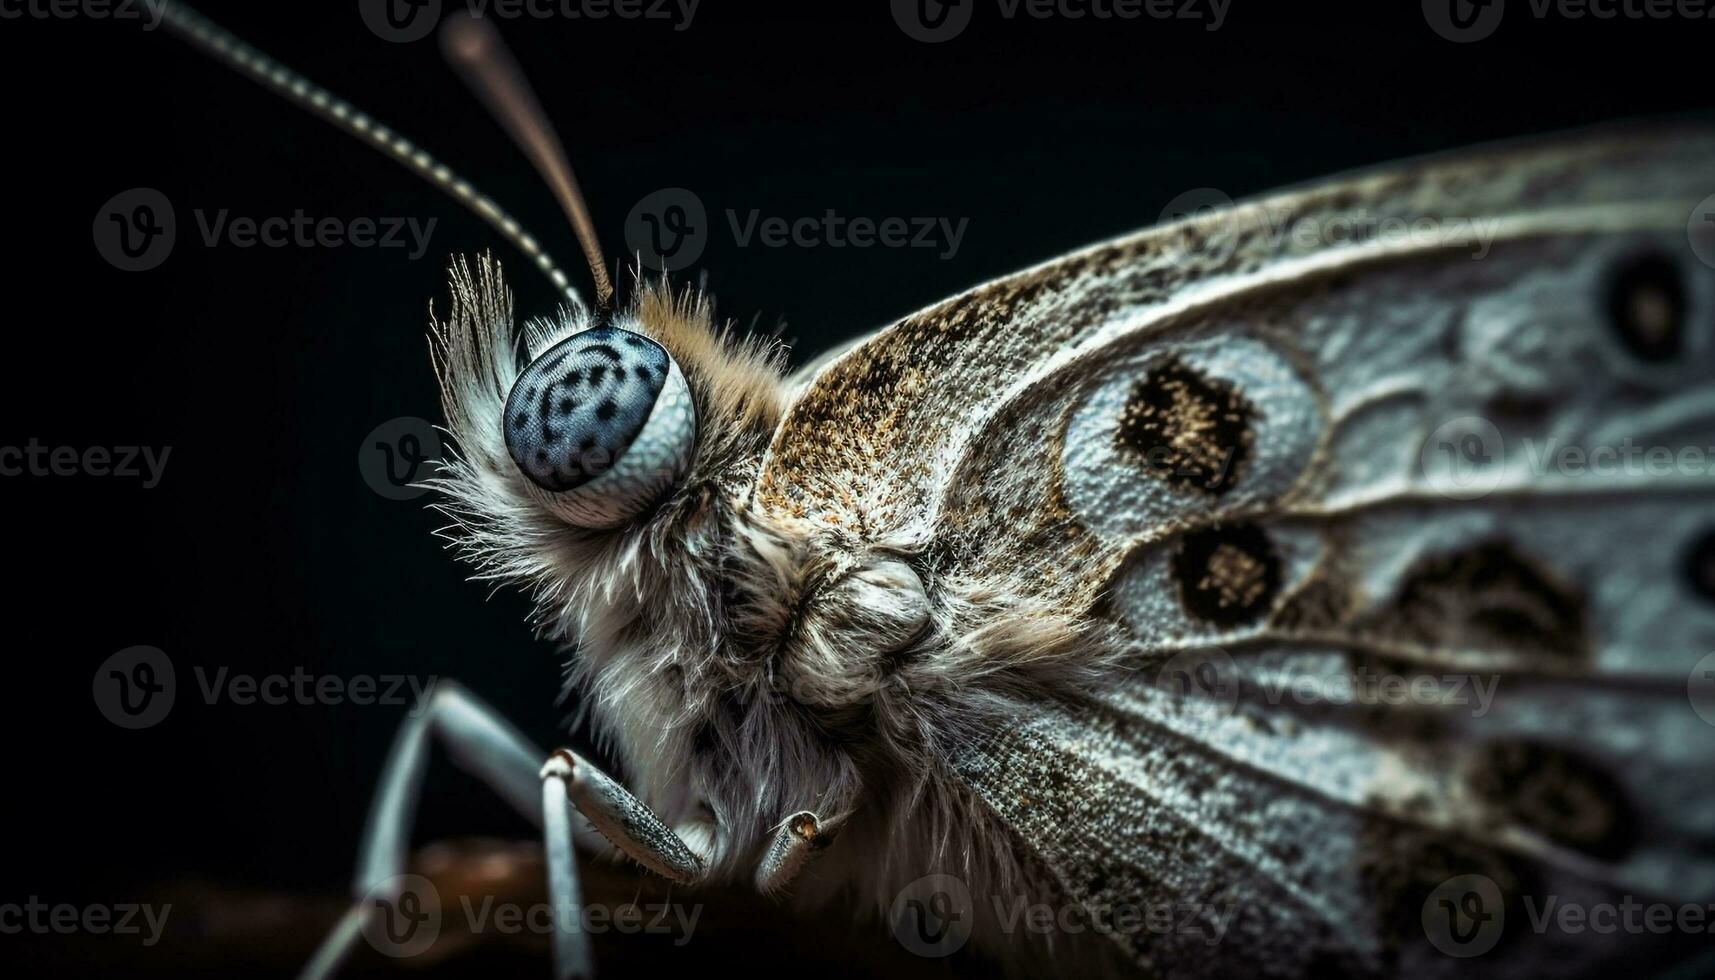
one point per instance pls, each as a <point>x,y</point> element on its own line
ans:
<point>1187,428</point>
<point>1488,597</point>
<point>877,442</point>
<point>1227,575</point>
<point>1555,792</point>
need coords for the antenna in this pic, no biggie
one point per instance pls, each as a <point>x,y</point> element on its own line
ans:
<point>474,47</point>
<point>222,45</point>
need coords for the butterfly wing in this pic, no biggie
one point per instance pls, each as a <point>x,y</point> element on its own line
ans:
<point>1397,491</point>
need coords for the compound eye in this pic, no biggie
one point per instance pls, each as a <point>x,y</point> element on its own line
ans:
<point>603,420</point>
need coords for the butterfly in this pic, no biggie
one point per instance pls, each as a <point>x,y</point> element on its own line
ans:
<point>1320,585</point>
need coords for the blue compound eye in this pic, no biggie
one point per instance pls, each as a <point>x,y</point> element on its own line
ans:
<point>604,420</point>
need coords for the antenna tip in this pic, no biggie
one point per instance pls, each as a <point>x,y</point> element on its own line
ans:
<point>467,38</point>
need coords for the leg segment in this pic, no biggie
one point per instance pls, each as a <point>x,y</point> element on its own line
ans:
<point>481,742</point>
<point>797,841</point>
<point>624,820</point>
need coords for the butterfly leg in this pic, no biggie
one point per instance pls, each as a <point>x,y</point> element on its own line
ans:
<point>624,820</point>
<point>797,841</point>
<point>481,742</point>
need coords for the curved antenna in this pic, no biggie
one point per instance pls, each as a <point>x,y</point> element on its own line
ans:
<point>474,47</point>
<point>222,45</point>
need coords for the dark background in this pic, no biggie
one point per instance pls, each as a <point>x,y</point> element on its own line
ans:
<point>263,549</point>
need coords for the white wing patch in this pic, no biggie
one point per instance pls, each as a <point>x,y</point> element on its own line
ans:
<point>1168,432</point>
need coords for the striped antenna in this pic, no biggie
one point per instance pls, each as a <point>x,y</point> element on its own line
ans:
<point>474,47</point>
<point>222,45</point>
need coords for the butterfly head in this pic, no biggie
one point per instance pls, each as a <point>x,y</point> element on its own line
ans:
<point>595,448</point>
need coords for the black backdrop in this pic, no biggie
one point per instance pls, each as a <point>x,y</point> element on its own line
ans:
<point>263,549</point>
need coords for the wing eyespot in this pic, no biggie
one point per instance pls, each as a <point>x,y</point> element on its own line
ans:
<point>1700,566</point>
<point>1227,575</point>
<point>1647,307</point>
<point>1187,428</point>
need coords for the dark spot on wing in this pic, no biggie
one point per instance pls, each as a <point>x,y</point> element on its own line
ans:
<point>1557,793</point>
<point>1227,575</point>
<point>1488,597</point>
<point>1647,307</point>
<point>1700,565</point>
<point>1187,428</point>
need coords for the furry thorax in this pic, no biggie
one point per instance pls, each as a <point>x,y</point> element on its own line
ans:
<point>739,666</point>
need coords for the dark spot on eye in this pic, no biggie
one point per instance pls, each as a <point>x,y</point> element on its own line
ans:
<point>1187,428</point>
<point>1647,308</point>
<point>1227,575</point>
<point>641,372</point>
<point>1700,565</point>
<point>550,413</point>
<point>1559,794</point>
<point>1488,597</point>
